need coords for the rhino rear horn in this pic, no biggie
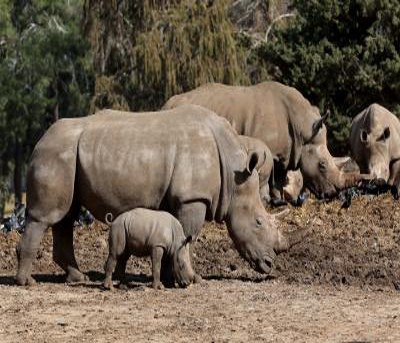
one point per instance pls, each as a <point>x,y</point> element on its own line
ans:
<point>281,214</point>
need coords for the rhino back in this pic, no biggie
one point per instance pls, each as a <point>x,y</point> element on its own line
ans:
<point>150,160</point>
<point>274,113</point>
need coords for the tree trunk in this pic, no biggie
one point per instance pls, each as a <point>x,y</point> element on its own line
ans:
<point>18,172</point>
<point>56,114</point>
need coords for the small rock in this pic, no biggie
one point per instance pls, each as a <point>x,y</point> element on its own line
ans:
<point>101,243</point>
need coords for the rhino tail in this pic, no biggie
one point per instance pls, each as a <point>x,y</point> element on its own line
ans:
<point>109,218</point>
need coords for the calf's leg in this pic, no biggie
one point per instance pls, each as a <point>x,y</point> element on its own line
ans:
<point>156,256</point>
<point>109,268</point>
<point>117,249</point>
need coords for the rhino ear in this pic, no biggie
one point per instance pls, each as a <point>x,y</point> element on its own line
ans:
<point>363,136</point>
<point>317,125</point>
<point>386,133</point>
<point>341,161</point>
<point>252,161</point>
<point>188,239</point>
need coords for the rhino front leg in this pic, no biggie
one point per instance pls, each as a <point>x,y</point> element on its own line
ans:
<point>192,216</point>
<point>27,249</point>
<point>63,250</point>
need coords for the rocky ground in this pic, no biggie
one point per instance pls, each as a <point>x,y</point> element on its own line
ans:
<point>338,285</point>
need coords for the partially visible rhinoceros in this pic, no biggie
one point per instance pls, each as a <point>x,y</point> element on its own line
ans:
<point>265,165</point>
<point>374,142</point>
<point>188,161</point>
<point>294,185</point>
<point>285,121</point>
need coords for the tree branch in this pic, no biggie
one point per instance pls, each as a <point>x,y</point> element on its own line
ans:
<point>278,18</point>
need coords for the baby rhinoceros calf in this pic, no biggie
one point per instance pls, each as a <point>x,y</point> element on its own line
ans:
<point>143,232</point>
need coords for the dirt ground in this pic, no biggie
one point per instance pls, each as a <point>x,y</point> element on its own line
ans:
<point>341,284</point>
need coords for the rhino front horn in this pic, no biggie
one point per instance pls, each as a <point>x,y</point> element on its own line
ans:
<point>285,242</point>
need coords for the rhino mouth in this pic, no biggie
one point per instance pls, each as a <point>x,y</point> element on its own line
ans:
<point>264,265</point>
<point>183,283</point>
<point>323,194</point>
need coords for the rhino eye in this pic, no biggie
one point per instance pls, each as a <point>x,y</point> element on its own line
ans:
<point>259,221</point>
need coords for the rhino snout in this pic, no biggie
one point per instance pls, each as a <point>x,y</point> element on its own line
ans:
<point>184,283</point>
<point>265,265</point>
<point>380,172</point>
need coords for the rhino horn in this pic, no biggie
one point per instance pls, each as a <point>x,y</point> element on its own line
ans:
<point>281,213</point>
<point>285,242</point>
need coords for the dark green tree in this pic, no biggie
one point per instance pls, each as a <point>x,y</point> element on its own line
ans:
<point>343,55</point>
<point>45,74</point>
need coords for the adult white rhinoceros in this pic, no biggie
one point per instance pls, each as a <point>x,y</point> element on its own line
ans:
<point>284,120</point>
<point>265,166</point>
<point>188,161</point>
<point>374,142</point>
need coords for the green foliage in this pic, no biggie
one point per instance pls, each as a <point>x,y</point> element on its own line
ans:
<point>149,50</point>
<point>343,55</point>
<point>44,73</point>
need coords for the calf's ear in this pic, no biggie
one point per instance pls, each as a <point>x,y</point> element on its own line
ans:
<point>252,161</point>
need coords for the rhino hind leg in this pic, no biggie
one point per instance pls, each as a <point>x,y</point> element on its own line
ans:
<point>120,269</point>
<point>63,249</point>
<point>27,249</point>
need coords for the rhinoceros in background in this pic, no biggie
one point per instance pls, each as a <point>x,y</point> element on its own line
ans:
<point>285,121</point>
<point>374,142</point>
<point>187,161</point>
<point>293,186</point>
<point>265,165</point>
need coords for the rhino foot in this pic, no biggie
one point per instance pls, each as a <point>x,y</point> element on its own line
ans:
<point>76,276</point>
<point>158,285</point>
<point>108,284</point>
<point>123,286</point>
<point>25,281</point>
<point>197,279</point>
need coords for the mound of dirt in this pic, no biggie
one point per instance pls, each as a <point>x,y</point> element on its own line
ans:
<point>358,246</point>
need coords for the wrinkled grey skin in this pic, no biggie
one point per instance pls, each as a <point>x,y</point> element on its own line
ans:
<point>375,143</point>
<point>187,161</point>
<point>144,232</point>
<point>264,167</point>
<point>285,121</point>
